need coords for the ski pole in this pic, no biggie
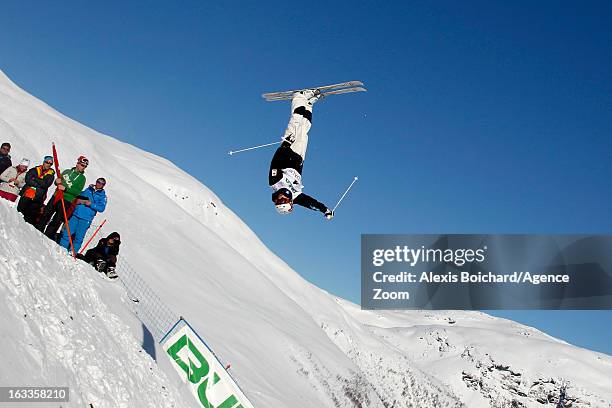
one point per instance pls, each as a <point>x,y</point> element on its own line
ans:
<point>92,237</point>
<point>61,195</point>
<point>345,193</point>
<point>252,148</point>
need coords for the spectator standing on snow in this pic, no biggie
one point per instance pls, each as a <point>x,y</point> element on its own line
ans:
<point>33,194</point>
<point>90,202</point>
<point>71,183</point>
<point>5,157</point>
<point>13,179</point>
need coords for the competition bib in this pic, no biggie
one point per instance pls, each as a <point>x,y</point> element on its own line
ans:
<point>292,180</point>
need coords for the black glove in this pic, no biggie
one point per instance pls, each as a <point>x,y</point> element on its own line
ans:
<point>329,214</point>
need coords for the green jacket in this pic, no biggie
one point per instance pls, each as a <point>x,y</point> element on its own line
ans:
<point>74,183</point>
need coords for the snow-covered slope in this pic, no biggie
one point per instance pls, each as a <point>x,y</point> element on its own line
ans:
<point>58,330</point>
<point>289,342</point>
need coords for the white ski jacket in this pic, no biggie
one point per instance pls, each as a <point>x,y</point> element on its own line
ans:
<point>15,186</point>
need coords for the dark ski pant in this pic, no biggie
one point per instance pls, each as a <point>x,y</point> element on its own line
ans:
<point>91,256</point>
<point>31,209</point>
<point>53,217</point>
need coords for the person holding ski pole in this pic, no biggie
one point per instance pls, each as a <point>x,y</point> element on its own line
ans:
<point>70,184</point>
<point>285,176</point>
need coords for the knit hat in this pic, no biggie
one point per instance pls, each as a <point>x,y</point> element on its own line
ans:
<point>24,162</point>
<point>114,235</point>
<point>47,158</point>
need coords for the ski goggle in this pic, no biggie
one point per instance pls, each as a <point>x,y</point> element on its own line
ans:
<point>101,181</point>
<point>282,199</point>
<point>284,209</point>
<point>83,161</point>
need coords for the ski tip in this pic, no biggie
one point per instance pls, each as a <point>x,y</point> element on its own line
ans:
<point>356,178</point>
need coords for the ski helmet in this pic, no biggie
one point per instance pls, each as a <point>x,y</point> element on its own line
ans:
<point>283,201</point>
<point>83,161</point>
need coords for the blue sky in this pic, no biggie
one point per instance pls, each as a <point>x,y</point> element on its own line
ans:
<point>481,117</point>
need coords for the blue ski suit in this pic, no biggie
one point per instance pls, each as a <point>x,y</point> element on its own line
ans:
<point>83,215</point>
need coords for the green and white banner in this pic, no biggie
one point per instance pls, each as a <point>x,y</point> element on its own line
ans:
<point>210,383</point>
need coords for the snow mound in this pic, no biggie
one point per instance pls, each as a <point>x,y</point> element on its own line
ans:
<point>57,329</point>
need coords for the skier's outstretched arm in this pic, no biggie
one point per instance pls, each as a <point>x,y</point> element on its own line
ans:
<point>307,201</point>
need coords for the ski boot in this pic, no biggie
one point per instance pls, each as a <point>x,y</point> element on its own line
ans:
<point>110,273</point>
<point>100,265</point>
<point>312,95</point>
<point>317,96</point>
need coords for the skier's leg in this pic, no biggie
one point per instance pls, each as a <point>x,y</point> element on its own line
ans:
<point>299,123</point>
<point>91,256</point>
<point>112,260</point>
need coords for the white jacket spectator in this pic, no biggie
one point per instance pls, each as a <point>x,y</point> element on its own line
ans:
<point>13,179</point>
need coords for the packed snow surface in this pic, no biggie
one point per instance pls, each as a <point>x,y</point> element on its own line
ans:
<point>289,342</point>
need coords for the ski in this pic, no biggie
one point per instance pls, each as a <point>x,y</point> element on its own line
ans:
<point>324,94</point>
<point>345,90</point>
<point>279,96</point>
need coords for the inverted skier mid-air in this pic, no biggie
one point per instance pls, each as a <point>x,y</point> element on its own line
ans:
<point>285,176</point>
